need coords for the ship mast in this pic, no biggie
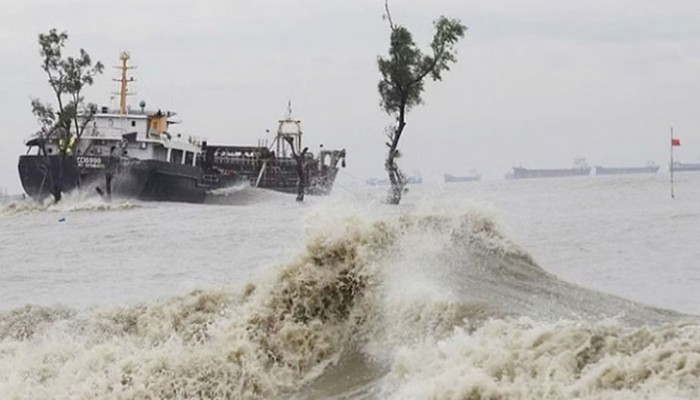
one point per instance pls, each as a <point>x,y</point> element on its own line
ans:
<point>124,91</point>
<point>283,133</point>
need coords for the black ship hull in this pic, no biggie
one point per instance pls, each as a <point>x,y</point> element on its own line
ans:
<point>149,180</point>
<point>155,180</point>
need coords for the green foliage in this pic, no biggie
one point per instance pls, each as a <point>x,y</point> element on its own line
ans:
<point>67,78</point>
<point>403,73</point>
<point>404,70</point>
<point>44,114</point>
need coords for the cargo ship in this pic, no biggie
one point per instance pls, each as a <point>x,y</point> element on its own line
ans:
<point>410,180</point>
<point>472,177</point>
<point>133,154</point>
<point>649,168</point>
<point>684,167</point>
<point>580,169</point>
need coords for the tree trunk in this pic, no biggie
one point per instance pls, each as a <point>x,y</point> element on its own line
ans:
<point>395,178</point>
<point>108,185</point>
<point>48,173</point>
<point>398,183</point>
<point>57,188</point>
<point>301,184</point>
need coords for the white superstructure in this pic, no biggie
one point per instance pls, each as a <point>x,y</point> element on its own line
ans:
<point>141,134</point>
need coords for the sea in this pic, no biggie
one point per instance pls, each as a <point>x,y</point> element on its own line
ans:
<point>563,288</point>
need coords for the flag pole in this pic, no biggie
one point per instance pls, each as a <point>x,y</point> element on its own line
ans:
<point>671,168</point>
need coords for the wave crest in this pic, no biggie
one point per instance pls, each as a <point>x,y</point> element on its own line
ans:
<point>523,359</point>
<point>435,306</point>
<point>75,201</point>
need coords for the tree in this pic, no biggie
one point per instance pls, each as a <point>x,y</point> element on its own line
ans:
<point>67,78</point>
<point>301,168</point>
<point>403,73</point>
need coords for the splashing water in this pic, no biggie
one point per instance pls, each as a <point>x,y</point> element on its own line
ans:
<point>74,201</point>
<point>414,306</point>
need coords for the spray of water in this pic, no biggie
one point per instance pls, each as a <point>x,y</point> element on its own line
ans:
<point>419,305</point>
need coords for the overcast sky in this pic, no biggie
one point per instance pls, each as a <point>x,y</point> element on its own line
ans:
<point>537,82</point>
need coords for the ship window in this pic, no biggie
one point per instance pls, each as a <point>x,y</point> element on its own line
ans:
<point>189,157</point>
<point>159,153</point>
<point>176,156</point>
<point>133,123</point>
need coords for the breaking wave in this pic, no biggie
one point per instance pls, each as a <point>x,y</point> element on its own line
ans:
<point>242,195</point>
<point>70,202</point>
<point>411,307</point>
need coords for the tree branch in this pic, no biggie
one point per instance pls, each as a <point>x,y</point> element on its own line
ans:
<point>388,14</point>
<point>436,56</point>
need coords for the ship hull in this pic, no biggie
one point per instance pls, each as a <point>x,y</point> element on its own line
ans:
<point>260,168</point>
<point>42,176</point>
<point>685,167</point>
<point>626,170</point>
<point>411,180</point>
<point>454,179</point>
<point>149,180</point>
<point>154,180</point>
<point>281,176</point>
<point>524,173</point>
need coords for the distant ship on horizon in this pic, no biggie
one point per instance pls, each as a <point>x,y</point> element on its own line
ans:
<point>580,168</point>
<point>649,168</point>
<point>472,177</point>
<point>678,166</point>
<point>410,180</point>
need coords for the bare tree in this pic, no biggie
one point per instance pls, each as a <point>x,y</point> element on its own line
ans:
<point>301,168</point>
<point>403,73</point>
<point>67,78</point>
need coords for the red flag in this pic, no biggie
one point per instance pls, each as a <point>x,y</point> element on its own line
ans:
<point>675,142</point>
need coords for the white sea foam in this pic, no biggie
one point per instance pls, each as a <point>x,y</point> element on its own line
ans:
<point>524,359</point>
<point>70,202</point>
<point>243,194</point>
<point>433,305</point>
<point>208,344</point>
